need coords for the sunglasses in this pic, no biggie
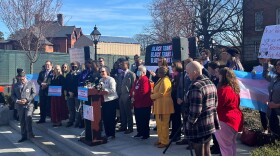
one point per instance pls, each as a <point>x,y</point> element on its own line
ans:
<point>102,71</point>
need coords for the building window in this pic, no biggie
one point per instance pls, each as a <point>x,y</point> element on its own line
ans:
<point>57,48</point>
<point>257,47</point>
<point>278,16</point>
<point>259,21</point>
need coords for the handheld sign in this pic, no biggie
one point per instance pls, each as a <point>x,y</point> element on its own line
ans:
<point>77,54</point>
<point>83,93</point>
<point>155,51</point>
<point>54,91</point>
<point>88,112</point>
<point>270,43</point>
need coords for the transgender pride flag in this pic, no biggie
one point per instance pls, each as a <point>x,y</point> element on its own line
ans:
<point>253,90</point>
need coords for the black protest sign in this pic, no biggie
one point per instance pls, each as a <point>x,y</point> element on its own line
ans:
<point>154,51</point>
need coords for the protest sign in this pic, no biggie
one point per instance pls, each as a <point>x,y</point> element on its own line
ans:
<point>154,51</point>
<point>54,91</point>
<point>83,93</point>
<point>77,54</point>
<point>270,43</point>
<point>88,112</point>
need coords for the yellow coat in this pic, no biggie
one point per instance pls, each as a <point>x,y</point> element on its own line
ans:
<point>163,103</point>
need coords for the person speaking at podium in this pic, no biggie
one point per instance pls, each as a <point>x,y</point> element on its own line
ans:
<point>110,102</point>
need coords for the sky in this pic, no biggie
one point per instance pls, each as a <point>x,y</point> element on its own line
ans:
<point>112,17</point>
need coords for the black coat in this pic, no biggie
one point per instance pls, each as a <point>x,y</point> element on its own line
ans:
<point>47,79</point>
<point>71,82</point>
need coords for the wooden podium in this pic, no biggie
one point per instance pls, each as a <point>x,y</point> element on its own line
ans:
<point>93,128</point>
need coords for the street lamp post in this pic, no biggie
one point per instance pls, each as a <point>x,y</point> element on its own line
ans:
<point>212,48</point>
<point>95,35</point>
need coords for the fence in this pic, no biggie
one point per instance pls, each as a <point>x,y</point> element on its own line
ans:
<point>10,60</point>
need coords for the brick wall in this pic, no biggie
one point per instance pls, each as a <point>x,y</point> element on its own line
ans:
<point>251,36</point>
<point>60,45</point>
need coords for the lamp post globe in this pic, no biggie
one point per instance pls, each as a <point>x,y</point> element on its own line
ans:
<point>95,36</point>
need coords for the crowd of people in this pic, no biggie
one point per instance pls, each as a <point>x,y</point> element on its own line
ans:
<point>199,93</point>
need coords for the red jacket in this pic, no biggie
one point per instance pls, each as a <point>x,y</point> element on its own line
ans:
<point>228,108</point>
<point>142,93</point>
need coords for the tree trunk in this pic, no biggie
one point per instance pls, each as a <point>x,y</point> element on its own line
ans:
<point>31,67</point>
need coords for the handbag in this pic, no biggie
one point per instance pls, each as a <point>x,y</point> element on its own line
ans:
<point>249,137</point>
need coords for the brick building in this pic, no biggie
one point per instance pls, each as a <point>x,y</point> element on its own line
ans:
<point>257,14</point>
<point>56,38</point>
<point>111,45</point>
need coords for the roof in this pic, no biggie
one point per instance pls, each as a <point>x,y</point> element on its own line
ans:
<point>52,30</point>
<point>112,39</point>
<point>4,41</point>
<point>78,30</point>
<point>86,40</point>
<point>56,30</point>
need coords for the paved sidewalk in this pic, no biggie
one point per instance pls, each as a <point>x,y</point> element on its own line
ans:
<point>122,145</point>
<point>10,147</point>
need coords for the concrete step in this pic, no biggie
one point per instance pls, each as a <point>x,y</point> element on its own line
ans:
<point>64,141</point>
<point>48,142</point>
<point>9,145</point>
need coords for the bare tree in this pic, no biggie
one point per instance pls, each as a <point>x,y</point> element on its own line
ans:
<point>27,21</point>
<point>170,18</point>
<point>232,37</point>
<point>144,41</point>
<point>220,20</point>
<point>216,17</point>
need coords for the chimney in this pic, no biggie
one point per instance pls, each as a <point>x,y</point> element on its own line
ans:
<point>37,19</point>
<point>60,19</point>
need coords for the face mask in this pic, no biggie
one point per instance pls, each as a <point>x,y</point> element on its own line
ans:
<point>120,71</point>
<point>73,68</point>
<point>138,73</point>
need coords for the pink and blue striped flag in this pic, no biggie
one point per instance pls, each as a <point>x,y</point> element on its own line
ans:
<point>253,90</point>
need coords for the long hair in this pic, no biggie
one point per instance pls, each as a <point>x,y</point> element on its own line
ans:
<point>94,66</point>
<point>58,70</point>
<point>229,78</point>
<point>163,61</point>
<point>178,66</point>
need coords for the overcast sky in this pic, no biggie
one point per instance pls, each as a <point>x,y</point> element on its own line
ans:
<point>112,17</point>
